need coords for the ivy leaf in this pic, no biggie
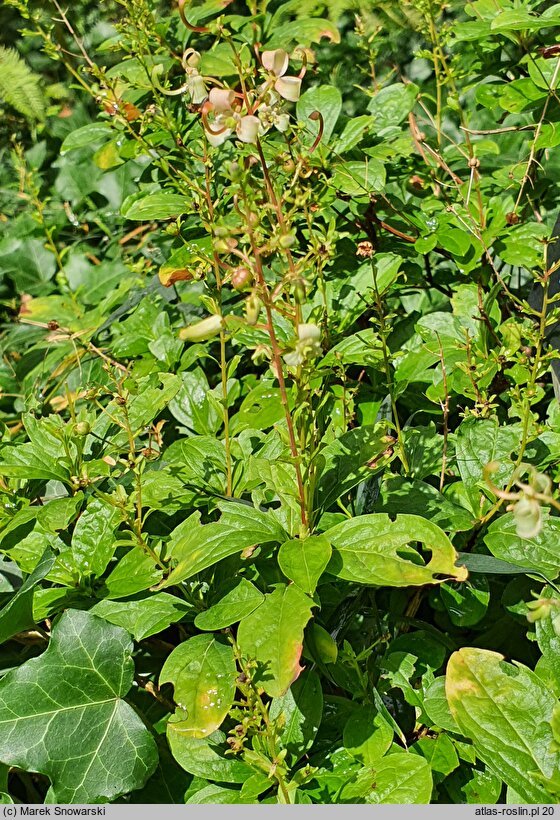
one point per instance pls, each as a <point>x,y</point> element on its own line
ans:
<point>505,709</point>
<point>372,549</point>
<point>203,672</point>
<point>273,636</point>
<point>74,693</point>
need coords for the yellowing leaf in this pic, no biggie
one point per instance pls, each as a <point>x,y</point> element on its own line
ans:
<point>506,711</point>
<point>202,671</point>
<point>372,549</point>
<point>273,636</point>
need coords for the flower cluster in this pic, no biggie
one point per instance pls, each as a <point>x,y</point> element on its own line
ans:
<point>308,346</point>
<point>251,115</point>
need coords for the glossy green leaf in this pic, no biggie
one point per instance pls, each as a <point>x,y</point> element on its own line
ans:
<point>327,100</point>
<point>195,547</point>
<point>505,710</point>
<point>78,684</point>
<point>392,104</point>
<point>301,710</point>
<point>160,205</point>
<point>538,552</point>
<point>397,778</point>
<point>203,672</point>
<point>134,573</point>
<point>349,459</point>
<point>273,636</point>
<point>372,549</point>
<point>18,612</point>
<point>143,615</point>
<point>359,178</point>
<point>240,601</point>
<point>205,757</point>
<point>93,540</point>
<point>304,561</point>
<point>367,735</point>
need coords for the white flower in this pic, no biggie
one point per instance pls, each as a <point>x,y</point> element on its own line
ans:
<point>276,62</point>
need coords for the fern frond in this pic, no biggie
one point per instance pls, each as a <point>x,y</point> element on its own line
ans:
<point>20,86</point>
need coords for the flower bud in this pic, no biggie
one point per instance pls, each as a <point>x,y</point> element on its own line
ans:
<point>82,428</point>
<point>299,292</point>
<point>252,309</point>
<point>527,515</point>
<point>308,333</point>
<point>203,330</point>
<point>241,277</point>
<point>287,240</point>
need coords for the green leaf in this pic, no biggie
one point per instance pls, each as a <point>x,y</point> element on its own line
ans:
<point>539,552</point>
<point>392,104</point>
<point>196,547</point>
<point>358,178</point>
<point>134,573</point>
<point>205,757</point>
<point>548,640</point>
<point>93,541</point>
<point>77,685</point>
<point>397,778</point>
<point>191,405</point>
<point>466,603</point>
<point>29,460</point>
<point>480,441</point>
<point>302,709</point>
<point>235,605</point>
<point>161,205</point>
<point>143,615</point>
<point>86,135</point>
<point>440,753</point>
<point>347,460</point>
<point>328,101</point>
<point>367,736</point>
<point>203,673</point>
<point>372,549</point>
<point>505,710</point>
<point>17,615</point>
<point>304,561</point>
<point>304,31</point>
<point>273,636</point>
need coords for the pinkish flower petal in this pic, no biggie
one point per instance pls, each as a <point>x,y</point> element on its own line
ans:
<point>275,61</point>
<point>248,128</point>
<point>289,88</point>
<point>222,99</point>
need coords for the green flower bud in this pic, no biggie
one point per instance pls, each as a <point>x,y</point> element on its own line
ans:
<point>527,515</point>
<point>201,331</point>
<point>252,309</point>
<point>81,429</point>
